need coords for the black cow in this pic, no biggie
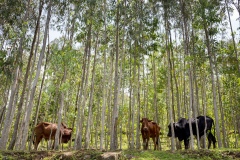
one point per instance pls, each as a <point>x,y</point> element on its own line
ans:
<point>182,129</point>
<point>201,128</point>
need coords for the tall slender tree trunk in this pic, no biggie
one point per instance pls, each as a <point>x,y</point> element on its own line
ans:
<point>113,133</point>
<point>144,91</point>
<point>191,100</point>
<point>25,125</point>
<point>84,82</point>
<point>39,98</point>
<point>175,77</point>
<point>192,107</point>
<point>11,108</point>
<point>138,146</point>
<point>155,90</point>
<point>169,77</point>
<point>233,37</point>
<point>204,105</point>
<point>89,120</point>
<point>213,83</point>
<point>10,112</point>
<point>220,102</point>
<point>170,106</point>
<point>60,112</point>
<point>104,89</point>
<point>20,104</point>
<point>130,130</point>
<point>85,90</point>
<point>78,140</point>
<point>109,101</point>
<point>133,100</point>
<point>194,99</point>
<point>3,109</point>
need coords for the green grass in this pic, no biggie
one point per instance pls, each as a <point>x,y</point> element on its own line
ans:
<point>182,155</point>
<point>213,154</point>
<point>154,155</point>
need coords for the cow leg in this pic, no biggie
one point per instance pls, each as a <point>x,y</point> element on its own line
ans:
<point>147,143</point>
<point>53,144</point>
<point>178,144</point>
<point>157,139</point>
<point>37,141</point>
<point>186,143</point>
<point>154,142</point>
<point>209,143</point>
<point>211,139</point>
<point>144,143</point>
<point>214,140</point>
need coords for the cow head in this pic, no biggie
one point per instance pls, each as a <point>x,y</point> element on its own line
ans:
<point>144,122</point>
<point>178,127</point>
<point>170,130</point>
<point>67,134</point>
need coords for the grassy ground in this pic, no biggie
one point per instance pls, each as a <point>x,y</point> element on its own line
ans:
<point>123,155</point>
<point>183,155</point>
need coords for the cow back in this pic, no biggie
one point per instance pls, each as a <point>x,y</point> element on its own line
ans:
<point>47,130</point>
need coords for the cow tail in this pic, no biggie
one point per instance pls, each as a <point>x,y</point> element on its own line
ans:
<point>157,138</point>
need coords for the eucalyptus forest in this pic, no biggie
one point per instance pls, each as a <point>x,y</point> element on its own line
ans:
<point>114,63</point>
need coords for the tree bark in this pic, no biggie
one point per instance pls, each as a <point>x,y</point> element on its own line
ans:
<point>89,120</point>
<point>60,112</point>
<point>11,108</point>
<point>25,125</point>
<point>220,102</point>
<point>233,37</point>
<point>83,91</point>
<point>169,76</point>
<point>104,89</point>
<point>213,82</point>
<point>138,146</point>
<point>113,132</point>
<point>20,105</point>
<point>10,112</point>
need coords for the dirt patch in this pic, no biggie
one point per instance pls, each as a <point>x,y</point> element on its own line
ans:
<point>110,156</point>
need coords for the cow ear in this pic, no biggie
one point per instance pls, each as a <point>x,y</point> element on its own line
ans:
<point>141,121</point>
<point>176,125</point>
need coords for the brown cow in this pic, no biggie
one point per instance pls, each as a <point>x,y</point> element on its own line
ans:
<point>149,130</point>
<point>48,130</point>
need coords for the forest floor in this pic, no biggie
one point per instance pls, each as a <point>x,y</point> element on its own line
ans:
<point>226,154</point>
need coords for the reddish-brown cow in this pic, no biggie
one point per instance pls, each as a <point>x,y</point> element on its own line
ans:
<point>149,130</point>
<point>48,130</point>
